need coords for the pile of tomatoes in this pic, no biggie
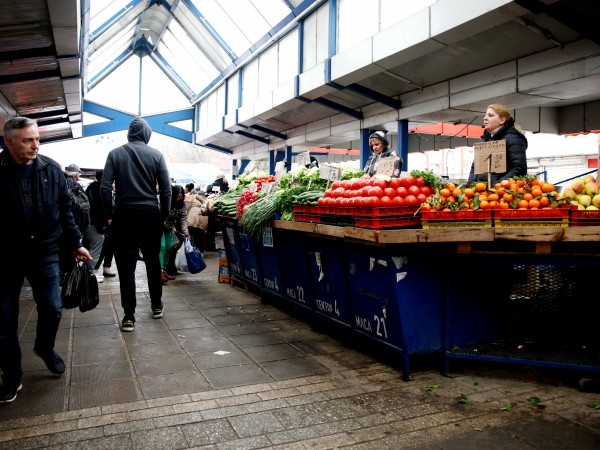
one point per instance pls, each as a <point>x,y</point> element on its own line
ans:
<point>246,198</point>
<point>377,192</point>
<point>263,179</point>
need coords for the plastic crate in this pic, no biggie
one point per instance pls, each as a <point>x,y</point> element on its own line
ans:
<point>378,223</point>
<point>380,211</point>
<point>529,218</point>
<point>584,218</point>
<point>466,218</point>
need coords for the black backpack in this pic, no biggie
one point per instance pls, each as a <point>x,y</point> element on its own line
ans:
<point>81,206</point>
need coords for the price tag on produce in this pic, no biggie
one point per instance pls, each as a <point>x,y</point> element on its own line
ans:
<point>490,155</point>
<point>279,168</point>
<point>303,159</point>
<point>331,173</point>
<point>386,166</point>
<point>252,187</point>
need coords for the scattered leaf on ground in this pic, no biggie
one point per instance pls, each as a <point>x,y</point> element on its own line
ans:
<point>463,399</point>
<point>533,400</point>
<point>431,387</point>
<point>593,405</point>
<point>507,408</point>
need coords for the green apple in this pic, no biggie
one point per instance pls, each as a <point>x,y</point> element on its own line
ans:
<point>596,200</point>
<point>585,200</point>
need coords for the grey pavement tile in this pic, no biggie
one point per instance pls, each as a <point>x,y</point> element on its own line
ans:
<point>245,443</point>
<point>144,336</point>
<point>72,436</point>
<point>266,405</point>
<point>243,328</point>
<point>105,443</point>
<point>490,439</point>
<point>259,423</point>
<point>103,393</point>
<point>166,365</point>
<point>176,323</point>
<point>294,368</point>
<point>206,344</point>
<point>191,333</point>
<point>315,431</point>
<point>178,419</point>
<point>105,354</point>
<point>172,384</point>
<point>210,432</point>
<point>224,412</point>
<point>303,399</point>
<point>300,416</point>
<point>92,373</point>
<point>171,438</point>
<point>154,350</point>
<point>224,377</point>
<point>255,339</point>
<point>210,360</point>
<point>242,399</point>
<point>275,352</point>
<point>129,426</point>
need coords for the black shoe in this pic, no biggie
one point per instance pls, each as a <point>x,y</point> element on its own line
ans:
<point>8,392</point>
<point>53,361</point>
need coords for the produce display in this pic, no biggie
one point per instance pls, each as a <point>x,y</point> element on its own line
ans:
<point>421,199</point>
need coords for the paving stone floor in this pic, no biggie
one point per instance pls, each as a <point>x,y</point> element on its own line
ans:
<point>224,370</point>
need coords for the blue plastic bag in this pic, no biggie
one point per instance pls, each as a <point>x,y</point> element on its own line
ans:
<point>196,263</point>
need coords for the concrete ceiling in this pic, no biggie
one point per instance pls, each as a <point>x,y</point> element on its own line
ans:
<point>41,72</point>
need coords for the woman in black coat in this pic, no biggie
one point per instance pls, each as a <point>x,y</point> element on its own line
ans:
<point>498,125</point>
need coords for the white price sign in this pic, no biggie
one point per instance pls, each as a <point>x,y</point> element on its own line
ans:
<point>303,158</point>
<point>386,166</point>
<point>279,167</point>
<point>330,173</point>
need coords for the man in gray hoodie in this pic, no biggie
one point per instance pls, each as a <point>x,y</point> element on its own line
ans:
<point>137,170</point>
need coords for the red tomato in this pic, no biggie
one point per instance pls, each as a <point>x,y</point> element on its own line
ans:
<point>402,191</point>
<point>344,184</point>
<point>374,202</point>
<point>427,190</point>
<point>338,192</point>
<point>328,193</point>
<point>335,185</point>
<point>394,183</point>
<point>414,190</point>
<point>376,191</point>
<point>321,201</point>
<point>390,192</point>
<point>379,182</point>
<point>410,200</point>
<point>365,190</point>
<point>421,198</point>
<point>355,184</point>
<point>419,181</point>
<point>338,201</point>
<point>386,202</point>
<point>407,181</point>
<point>398,201</point>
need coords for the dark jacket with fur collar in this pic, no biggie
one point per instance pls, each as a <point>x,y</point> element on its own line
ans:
<point>516,158</point>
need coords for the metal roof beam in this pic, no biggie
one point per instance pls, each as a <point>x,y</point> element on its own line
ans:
<point>268,131</point>
<point>29,76</point>
<point>251,136</point>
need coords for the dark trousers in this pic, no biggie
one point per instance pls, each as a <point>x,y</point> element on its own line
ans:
<point>132,231</point>
<point>43,275</point>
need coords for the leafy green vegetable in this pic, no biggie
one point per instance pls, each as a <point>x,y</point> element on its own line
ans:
<point>429,177</point>
<point>533,400</point>
<point>431,387</point>
<point>463,399</point>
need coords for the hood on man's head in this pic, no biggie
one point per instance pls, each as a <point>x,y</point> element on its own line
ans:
<point>72,169</point>
<point>139,130</point>
<point>379,135</point>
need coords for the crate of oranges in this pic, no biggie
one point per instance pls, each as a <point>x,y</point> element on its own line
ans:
<point>524,201</point>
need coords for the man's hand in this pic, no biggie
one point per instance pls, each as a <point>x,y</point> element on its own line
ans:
<point>82,254</point>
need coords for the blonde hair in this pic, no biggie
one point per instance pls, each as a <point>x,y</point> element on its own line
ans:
<point>504,113</point>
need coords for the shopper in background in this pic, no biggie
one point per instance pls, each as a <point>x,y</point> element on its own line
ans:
<point>36,208</point>
<point>176,223</point>
<point>188,190</point>
<point>197,221</point>
<point>380,149</point>
<point>499,125</point>
<point>137,171</point>
<point>93,236</point>
<point>219,186</point>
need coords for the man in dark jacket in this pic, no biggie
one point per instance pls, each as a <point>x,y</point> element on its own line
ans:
<point>137,222</point>
<point>36,212</point>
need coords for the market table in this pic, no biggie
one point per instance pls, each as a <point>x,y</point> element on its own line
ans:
<point>516,295</point>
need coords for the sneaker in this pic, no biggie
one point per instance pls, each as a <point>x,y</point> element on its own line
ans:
<point>128,325</point>
<point>53,361</point>
<point>99,278</point>
<point>8,393</point>
<point>157,313</point>
<point>108,273</point>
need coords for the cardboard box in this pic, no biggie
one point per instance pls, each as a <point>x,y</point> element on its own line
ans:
<point>223,274</point>
<point>492,155</point>
<point>223,262</point>
<point>219,245</point>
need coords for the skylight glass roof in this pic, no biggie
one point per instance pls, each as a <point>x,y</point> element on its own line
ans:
<point>191,41</point>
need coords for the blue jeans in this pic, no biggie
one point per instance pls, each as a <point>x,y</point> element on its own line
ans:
<point>43,275</point>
